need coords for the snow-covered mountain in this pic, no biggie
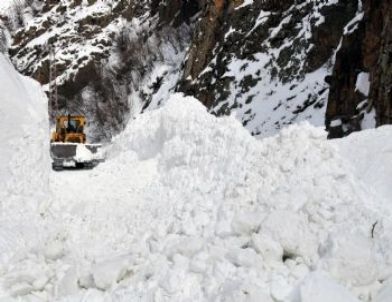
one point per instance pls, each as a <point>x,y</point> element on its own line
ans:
<point>188,206</point>
<point>109,56</point>
<point>271,63</point>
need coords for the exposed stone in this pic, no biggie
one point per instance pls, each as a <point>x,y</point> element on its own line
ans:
<point>327,36</point>
<point>367,49</point>
<point>78,75</point>
<point>208,32</point>
<point>205,79</point>
<point>276,43</point>
<point>175,12</point>
<point>343,99</point>
<point>381,92</point>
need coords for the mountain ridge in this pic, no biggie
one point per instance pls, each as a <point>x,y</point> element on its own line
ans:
<point>271,63</point>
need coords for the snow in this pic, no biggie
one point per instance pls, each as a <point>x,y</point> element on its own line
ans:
<point>350,256</point>
<point>385,293</point>
<point>24,148</point>
<point>245,3</point>
<point>363,83</point>
<point>5,5</point>
<point>369,119</point>
<point>336,123</point>
<point>83,154</point>
<point>319,288</point>
<point>280,95</point>
<point>190,207</point>
<point>369,114</point>
<point>67,27</point>
<point>372,145</point>
<point>24,174</point>
<point>353,25</point>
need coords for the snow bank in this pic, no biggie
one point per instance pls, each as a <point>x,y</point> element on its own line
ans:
<point>24,151</point>
<point>319,288</point>
<point>24,163</point>
<point>189,207</point>
<point>5,5</point>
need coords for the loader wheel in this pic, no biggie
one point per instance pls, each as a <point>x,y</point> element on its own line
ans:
<point>89,166</point>
<point>57,168</point>
<point>79,165</point>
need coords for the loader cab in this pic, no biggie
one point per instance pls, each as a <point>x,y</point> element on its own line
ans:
<point>72,125</point>
<point>70,129</point>
<point>68,147</point>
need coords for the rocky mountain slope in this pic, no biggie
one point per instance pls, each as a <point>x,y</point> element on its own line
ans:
<point>102,52</point>
<point>365,55</point>
<point>270,63</point>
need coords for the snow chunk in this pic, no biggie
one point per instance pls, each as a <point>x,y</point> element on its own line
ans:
<point>68,284</point>
<point>268,248</point>
<point>24,169</point>
<point>24,160</point>
<point>54,250</point>
<point>108,273</point>
<point>317,287</point>
<point>350,257</point>
<point>205,212</point>
<point>385,293</point>
<point>363,83</point>
<point>246,223</point>
<point>245,3</point>
<point>292,232</point>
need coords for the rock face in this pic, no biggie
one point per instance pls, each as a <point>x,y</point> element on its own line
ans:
<point>381,93</point>
<point>103,54</point>
<point>266,61</point>
<point>366,50</point>
<point>269,62</point>
<point>78,39</point>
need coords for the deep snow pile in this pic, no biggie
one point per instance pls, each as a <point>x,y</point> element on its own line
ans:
<point>5,4</point>
<point>192,208</point>
<point>24,164</point>
<point>24,145</point>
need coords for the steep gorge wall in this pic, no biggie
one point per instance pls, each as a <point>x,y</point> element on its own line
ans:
<point>107,54</point>
<point>266,61</point>
<point>381,91</point>
<point>271,62</point>
<point>366,49</point>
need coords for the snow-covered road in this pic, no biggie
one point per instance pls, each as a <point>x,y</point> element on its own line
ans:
<point>99,207</point>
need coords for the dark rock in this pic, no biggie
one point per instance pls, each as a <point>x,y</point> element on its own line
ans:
<point>367,49</point>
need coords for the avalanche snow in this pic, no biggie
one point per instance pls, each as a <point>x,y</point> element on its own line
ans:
<point>190,207</point>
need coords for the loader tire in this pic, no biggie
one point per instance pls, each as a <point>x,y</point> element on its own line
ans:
<point>57,168</point>
<point>89,165</point>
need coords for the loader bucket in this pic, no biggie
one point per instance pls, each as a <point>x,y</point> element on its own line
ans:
<point>63,151</point>
<point>75,155</point>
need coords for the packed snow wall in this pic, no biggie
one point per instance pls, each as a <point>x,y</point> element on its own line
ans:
<point>24,136</point>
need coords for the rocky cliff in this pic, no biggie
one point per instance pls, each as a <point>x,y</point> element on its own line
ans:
<point>106,58</point>
<point>361,86</point>
<point>269,62</point>
<point>266,61</point>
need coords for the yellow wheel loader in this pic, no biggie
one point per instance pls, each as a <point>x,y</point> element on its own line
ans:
<point>68,146</point>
